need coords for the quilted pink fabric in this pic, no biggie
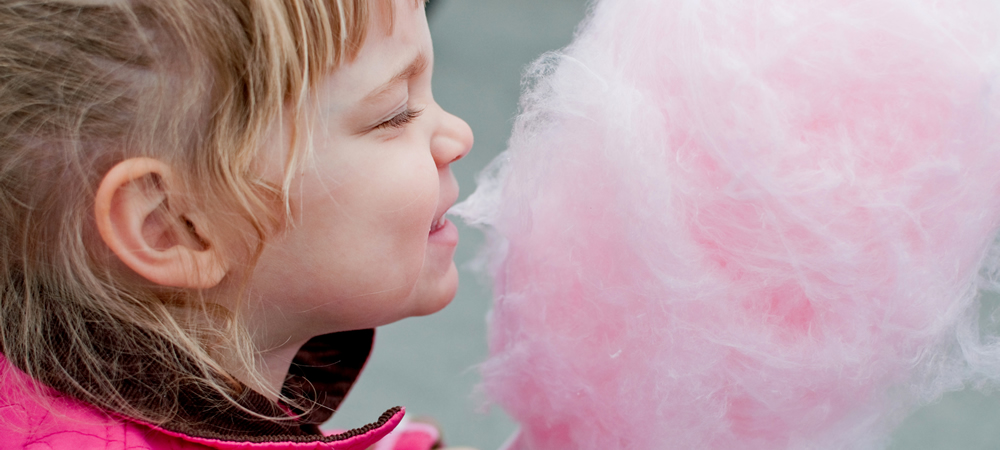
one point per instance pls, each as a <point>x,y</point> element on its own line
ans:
<point>54,421</point>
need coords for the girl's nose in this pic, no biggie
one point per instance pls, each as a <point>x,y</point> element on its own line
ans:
<point>451,141</point>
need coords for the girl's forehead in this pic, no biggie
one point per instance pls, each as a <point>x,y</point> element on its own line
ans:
<point>384,63</point>
<point>385,14</point>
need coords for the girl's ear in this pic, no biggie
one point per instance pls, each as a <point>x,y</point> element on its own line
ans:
<point>142,218</point>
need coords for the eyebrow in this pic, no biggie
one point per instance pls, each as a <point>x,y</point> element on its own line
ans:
<point>418,65</point>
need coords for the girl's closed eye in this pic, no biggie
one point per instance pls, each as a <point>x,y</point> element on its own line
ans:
<point>400,120</point>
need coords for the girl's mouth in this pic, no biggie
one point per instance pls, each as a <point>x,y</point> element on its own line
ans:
<point>443,232</point>
<point>438,224</point>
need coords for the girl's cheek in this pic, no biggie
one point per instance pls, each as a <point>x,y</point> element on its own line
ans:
<point>411,186</point>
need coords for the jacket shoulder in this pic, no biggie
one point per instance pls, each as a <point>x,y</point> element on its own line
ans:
<point>36,417</point>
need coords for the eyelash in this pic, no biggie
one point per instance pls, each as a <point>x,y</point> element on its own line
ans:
<point>401,119</point>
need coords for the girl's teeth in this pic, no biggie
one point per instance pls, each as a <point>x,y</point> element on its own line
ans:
<point>437,224</point>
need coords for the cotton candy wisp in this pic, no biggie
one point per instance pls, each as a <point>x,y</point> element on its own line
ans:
<point>746,224</point>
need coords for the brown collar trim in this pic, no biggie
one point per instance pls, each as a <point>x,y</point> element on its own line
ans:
<point>382,421</point>
<point>320,377</point>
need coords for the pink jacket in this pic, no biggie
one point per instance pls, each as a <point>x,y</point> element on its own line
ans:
<point>57,421</point>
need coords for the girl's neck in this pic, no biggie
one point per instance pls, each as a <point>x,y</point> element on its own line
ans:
<point>272,368</point>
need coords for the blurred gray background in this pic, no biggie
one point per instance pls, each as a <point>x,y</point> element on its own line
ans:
<point>429,364</point>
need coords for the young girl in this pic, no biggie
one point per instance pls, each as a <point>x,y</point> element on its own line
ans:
<point>206,206</point>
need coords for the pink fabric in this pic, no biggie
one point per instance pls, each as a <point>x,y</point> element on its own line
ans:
<point>411,436</point>
<point>416,440</point>
<point>54,421</point>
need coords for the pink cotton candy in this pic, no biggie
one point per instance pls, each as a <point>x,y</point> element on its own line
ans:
<point>746,224</point>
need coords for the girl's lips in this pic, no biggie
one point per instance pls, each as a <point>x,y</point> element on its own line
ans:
<point>444,232</point>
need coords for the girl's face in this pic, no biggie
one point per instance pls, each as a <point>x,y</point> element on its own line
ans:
<point>369,244</point>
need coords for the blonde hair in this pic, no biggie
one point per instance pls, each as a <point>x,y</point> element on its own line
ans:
<point>85,84</point>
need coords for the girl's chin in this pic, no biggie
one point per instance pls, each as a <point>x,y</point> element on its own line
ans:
<point>432,295</point>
